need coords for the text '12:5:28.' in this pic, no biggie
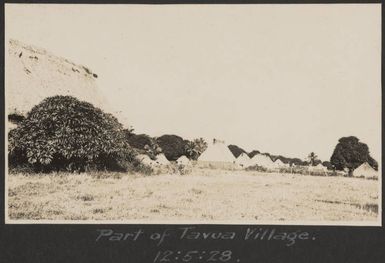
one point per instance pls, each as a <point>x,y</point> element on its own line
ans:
<point>195,256</point>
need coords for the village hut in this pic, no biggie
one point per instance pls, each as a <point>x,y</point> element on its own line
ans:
<point>183,160</point>
<point>217,155</point>
<point>145,159</point>
<point>243,160</point>
<point>263,160</point>
<point>365,170</point>
<point>279,164</point>
<point>321,167</point>
<point>318,169</point>
<point>161,159</point>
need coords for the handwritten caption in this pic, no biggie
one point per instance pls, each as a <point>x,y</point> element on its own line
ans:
<point>250,234</point>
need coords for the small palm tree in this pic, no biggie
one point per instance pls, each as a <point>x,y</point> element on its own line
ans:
<point>195,148</point>
<point>312,157</point>
<point>191,150</point>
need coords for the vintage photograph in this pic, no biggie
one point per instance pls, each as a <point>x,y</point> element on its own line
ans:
<point>208,114</point>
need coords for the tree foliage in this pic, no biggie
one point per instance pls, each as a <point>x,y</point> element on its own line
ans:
<point>328,165</point>
<point>287,160</point>
<point>350,153</point>
<point>280,157</point>
<point>297,161</point>
<point>195,148</point>
<point>152,149</point>
<point>253,153</point>
<point>143,144</point>
<point>139,141</point>
<point>15,118</point>
<point>172,146</point>
<point>63,133</point>
<point>235,150</point>
<point>313,159</point>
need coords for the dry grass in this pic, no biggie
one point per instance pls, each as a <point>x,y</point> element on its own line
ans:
<point>203,195</point>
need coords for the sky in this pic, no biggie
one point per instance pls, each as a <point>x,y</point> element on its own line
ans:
<point>284,79</point>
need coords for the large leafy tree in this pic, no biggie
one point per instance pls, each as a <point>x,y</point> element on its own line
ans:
<point>64,133</point>
<point>351,153</point>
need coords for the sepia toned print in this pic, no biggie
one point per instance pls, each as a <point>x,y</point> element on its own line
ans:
<point>215,114</point>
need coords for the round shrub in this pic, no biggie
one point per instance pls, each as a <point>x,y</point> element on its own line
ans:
<point>63,133</point>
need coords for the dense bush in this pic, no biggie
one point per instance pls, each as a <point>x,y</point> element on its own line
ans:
<point>287,160</point>
<point>139,141</point>
<point>172,146</point>
<point>279,157</point>
<point>284,159</point>
<point>350,153</point>
<point>15,118</point>
<point>256,168</point>
<point>63,133</point>
<point>304,170</point>
<point>144,144</point>
<point>328,165</point>
<point>297,161</point>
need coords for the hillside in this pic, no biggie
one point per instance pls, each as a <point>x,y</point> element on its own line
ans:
<point>32,74</point>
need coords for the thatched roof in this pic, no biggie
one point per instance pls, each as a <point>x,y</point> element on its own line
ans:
<point>217,151</point>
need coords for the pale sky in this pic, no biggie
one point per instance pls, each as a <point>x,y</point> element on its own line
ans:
<point>284,79</point>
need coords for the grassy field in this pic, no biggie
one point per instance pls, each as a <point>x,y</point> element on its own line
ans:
<point>204,195</point>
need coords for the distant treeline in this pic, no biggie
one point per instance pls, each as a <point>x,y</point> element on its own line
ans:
<point>172,146</point>
<point>236,150</point>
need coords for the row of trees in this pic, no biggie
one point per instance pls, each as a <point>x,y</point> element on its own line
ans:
<point>172,146</point>
<point>236,151</point>
<point>63,133</point>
